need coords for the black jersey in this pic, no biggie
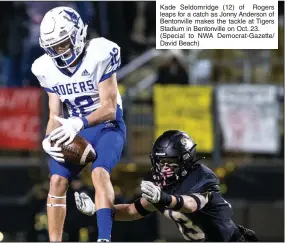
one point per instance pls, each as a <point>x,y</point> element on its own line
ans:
<point>211,223</point>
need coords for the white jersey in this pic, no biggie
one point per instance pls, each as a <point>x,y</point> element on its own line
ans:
<point>79,89</point>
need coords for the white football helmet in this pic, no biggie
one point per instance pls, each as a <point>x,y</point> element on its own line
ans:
<point>59,25</point>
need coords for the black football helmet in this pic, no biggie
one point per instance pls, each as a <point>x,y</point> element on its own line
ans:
<point>173,155</point>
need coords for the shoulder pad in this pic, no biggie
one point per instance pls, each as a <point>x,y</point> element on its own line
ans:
<point>38,64</point>
<point>202,179</point>
<point>102,47</point>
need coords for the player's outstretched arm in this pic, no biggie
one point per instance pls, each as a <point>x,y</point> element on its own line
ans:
<point>123,212</point>
<point>134,211</point>
<point>183,203</point>
<point>192,202</point>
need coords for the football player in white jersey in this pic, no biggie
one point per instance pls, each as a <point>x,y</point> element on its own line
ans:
<point>81,74</point>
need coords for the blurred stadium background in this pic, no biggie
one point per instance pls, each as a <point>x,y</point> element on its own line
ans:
<point>230,101</point>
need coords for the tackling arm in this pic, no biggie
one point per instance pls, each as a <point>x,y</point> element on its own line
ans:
<point>183,203</point>
<point>122,212</point>
<point>137,210</point>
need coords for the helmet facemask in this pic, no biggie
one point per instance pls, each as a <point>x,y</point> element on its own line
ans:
<point>168,170</point>
<point>69,56</point>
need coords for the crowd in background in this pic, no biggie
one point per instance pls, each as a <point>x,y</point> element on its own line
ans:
<point>132,25</point>
<point>20,24</point>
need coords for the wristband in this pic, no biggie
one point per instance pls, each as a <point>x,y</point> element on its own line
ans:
<point>140,209</point>
<point>85,122</point>
<point>179,203</point>
<point>46,136</point>
<point>165,199</point>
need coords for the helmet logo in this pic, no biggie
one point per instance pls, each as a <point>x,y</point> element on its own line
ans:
<point>187,143</point>
<point>50,39</point>
<point>160,153</point>
<point>72,17</point>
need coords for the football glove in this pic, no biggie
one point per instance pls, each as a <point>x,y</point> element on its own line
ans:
<point>54,152</point>
<point>84,203</point>
<point>69,129</point>
<point>150,192</point>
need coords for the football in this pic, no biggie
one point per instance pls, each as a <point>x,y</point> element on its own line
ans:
<point>79,152</point>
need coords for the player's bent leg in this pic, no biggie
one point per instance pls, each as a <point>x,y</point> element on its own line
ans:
<point>109,145</point>
<point>56,206</point>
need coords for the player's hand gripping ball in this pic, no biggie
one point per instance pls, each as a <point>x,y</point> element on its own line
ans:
<point>79,151</point>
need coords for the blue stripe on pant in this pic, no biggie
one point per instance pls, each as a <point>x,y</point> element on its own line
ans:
<point>107,139</point>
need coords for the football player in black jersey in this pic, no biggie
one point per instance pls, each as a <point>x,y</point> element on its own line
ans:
<point>183,190</point>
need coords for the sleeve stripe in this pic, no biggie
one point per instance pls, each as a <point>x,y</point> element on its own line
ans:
<point>107,75</point>
<point>49,90</point>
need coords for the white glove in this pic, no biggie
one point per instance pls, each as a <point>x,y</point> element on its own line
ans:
<point>84,203</point>
<point>69,129</point>
<point>150,191</point>
<point>54,152</point>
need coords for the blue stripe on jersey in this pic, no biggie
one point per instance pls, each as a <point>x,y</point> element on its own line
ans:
<point>119,113</point>
<point>49,90</point>
<point>108,75</point>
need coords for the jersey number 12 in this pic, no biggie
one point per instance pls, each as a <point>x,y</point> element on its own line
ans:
<point>81,107</point>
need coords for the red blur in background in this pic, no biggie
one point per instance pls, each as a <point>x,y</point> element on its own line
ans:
<point>20,118</point>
